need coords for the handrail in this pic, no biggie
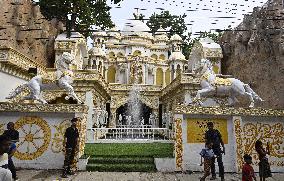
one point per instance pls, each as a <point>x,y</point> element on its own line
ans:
<point>120,134</point>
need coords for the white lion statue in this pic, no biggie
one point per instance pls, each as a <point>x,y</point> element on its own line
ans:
<point>64,81</point>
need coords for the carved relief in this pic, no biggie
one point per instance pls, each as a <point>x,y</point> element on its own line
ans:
<point>248,133</point>
<point>228,111</point>
<point>58,137</point>
<point>178,144</point>
<point>3,55</point>
<point>34,138</point>
<point>65,45</point>
<point>71,108</point>
<point>1,129</point>
<point>240,152</point>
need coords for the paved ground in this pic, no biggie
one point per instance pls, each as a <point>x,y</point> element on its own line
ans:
<point>54,175</point>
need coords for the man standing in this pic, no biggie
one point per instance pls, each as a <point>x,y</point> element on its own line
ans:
<point>13,135</point>
<point>214,136</point>
<point>71,144</point>
<point>5,174</point>
<point>11,132</point>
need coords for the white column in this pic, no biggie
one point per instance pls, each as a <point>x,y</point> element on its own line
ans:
<point>155,71</point>
<point>146,74</point>
<point>128,73</point>
<point>90,66</point>
<point>164,77</point>
<point>106,73</point>
<point>175,71</point>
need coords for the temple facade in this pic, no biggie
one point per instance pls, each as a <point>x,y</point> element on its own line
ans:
<point>157,59</point>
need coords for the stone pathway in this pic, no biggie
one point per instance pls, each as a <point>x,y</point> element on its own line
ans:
<point>54,175</point>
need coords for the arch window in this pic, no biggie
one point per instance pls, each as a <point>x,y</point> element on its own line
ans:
<point>162,57</point>
<point>120,54</point>
<point>159,76</point>
<point>111,74</point>
<point>154,56</point>
<point>137,53</point>
<point>111,55</point>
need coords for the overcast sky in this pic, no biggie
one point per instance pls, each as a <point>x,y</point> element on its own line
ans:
<point>201,14</point>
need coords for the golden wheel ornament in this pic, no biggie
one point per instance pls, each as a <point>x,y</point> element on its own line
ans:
<point>34,138</point>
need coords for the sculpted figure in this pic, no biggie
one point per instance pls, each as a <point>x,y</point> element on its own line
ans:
<point>211,85</point>
<point>64,81</point>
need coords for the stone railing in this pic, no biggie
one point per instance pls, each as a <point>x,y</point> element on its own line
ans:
<point>127,87</point>
<point>10,56</point>
<point>134,135</point>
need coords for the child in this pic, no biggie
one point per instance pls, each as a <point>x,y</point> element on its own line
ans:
<point>207,154</point>
<point>264,167</point>
<point>247,171</point>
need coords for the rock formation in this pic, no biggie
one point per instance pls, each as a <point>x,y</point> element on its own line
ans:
<point>254,52</point>
<point>23,27</point>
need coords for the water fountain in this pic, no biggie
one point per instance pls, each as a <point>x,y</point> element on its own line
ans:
<point>134,104</point>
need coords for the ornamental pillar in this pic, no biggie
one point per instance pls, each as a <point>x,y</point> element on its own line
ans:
<point>155,75</point>
<point>164,78</point>
<point>112,119</point>
<point>156,116</point>
<point>106,72</point>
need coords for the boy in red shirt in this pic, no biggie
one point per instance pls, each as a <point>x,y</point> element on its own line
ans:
<point>247,171</point>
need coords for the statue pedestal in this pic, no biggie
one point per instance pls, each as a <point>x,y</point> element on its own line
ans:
<point>239,127</point>
<point>41,130</point>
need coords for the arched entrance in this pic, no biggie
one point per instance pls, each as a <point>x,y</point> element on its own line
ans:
<point>123,112</point>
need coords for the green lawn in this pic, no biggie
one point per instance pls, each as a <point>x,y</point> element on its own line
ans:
<point>157,150</point>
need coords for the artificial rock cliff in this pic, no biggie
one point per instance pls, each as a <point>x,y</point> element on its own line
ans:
<point>23,28</point>
<point>254,52</point>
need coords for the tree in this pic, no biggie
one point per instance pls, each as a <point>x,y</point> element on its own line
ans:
<point>174,23</point>
<point>139,17</point>
<point>85,13</point>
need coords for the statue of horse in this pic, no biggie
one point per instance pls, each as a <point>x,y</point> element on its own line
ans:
<point>211,85</point>
<point>64,81</point>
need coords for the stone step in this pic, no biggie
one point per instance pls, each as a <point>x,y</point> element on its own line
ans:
<point>97,160</point>
<point>119,167</point>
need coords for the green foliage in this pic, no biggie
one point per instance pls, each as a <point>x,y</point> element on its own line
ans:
<point>139,17</point>
<point>156,150</point>
<point>176,24</point>
<point>88,12</point>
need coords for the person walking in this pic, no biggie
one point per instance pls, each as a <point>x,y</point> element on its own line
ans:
<point>71,144</point>
<point>14,137</point>
<point>207,154</point>
<point>247,170</point>
<point>5,173</point>
<point>214,136</point>
<point>264,167</point>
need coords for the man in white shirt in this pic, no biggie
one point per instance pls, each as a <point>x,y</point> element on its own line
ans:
<point>5,174</point>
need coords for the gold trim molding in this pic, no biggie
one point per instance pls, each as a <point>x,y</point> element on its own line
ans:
<point>178,145</point>
<point>230,111</point>
<point>57,108</point>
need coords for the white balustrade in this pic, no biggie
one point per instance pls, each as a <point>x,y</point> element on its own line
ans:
<point>140,133</point>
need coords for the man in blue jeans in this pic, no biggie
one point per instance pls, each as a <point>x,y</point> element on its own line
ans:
<point>214,136</point>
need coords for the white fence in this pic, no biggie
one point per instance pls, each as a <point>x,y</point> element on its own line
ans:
<point>123,135</point>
